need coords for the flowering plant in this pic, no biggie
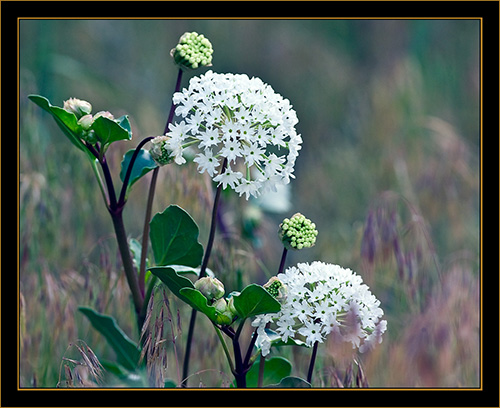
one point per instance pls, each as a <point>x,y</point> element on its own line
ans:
<point>245,137</point>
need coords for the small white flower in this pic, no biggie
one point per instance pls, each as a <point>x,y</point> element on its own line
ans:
<point>231,151</point>
<point>206,162</point>
<point>248,188</point>
<point>229,177</point>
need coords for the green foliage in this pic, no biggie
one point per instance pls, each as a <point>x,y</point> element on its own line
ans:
<point>198,301</point>
<point>291,382</point>
<point>173,280</point>
<point>174,238</point>
<point>109,131</point>
<point>106,130</point>
<point>254,300</point>
<point>275,369</point>
<point>66,121</point>
<point>126,350</point>
<point>142,165</point>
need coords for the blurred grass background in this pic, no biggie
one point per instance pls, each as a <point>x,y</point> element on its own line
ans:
<point>389,172</point>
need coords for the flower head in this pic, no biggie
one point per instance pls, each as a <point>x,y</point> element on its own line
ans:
<point>192,51</point>
<point>324,298</point>
<point>298,232</point>
<point>242,121</point>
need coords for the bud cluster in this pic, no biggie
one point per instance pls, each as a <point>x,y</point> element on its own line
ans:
<point>81,109</point>
<point>213,290</point>
<point>298,232</point>
<point>193,51</point>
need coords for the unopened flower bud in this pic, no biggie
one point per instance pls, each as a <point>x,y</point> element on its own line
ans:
<point>276,289</point>
<point>86,122</point>
<point>78,107</point>
<point>105,114</point>
<point>192,51</point>
<point>212,288</point>
<point>298,232</point>
<point>230,306</point>
<point>160,151</point>
<point>224,316</point>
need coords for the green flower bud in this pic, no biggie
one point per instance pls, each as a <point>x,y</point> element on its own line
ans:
<point>192,51</point>
<point>86,122</point>
<point>224,314</point>
<point>212,288</point>
<point>276,288</point>
<point>78,107</point>
<point>160,152</point>
<point>298,232</point>
<point>230,306</point>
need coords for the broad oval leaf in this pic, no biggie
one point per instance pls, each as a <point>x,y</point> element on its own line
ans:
<point>174,238</point>
<point>254,300</point>
<point>173,280</point>
<point>126,350</point>
<point>66,121</point>
<point>198,301</point>
<point>275,369</point>
<point>291,382</point>
<point>109,131</point>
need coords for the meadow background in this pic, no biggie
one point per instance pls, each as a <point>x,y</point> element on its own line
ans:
<point>389,171</point>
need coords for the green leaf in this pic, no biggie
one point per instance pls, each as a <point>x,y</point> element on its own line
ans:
<point>291,382</point>
<point>188,270</point>
<point>173,280</point>
<point>254,300</point>
<point>275,368</point>
<point>174,238</point>
<point>142,165</point>
<point>66,121</point>
<point>198,301</point>
<point>126,350</point>
<point>169,384</point>
<point>109,131</point>
<point>184,289</point>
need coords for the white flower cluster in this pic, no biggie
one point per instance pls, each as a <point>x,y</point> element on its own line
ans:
<point>324,298</point>
<point>239,119</point>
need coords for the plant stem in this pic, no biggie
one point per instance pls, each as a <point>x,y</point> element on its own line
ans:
<point>226,350</point>
<point>240,372</point>
<point>116,212</point>
<point>152,187</point>
<point>250,347</point>
<point>172,107</point>
<point>262,363</point>
<point>213,224</point>
<point>283,259</point>
<point>128,266</point>
<point>202,274</point>
<point>145,231</point>
<point>311,363</point>
<point>123,192</point>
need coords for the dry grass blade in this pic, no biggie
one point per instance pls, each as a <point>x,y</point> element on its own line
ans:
<point>77,372</point>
